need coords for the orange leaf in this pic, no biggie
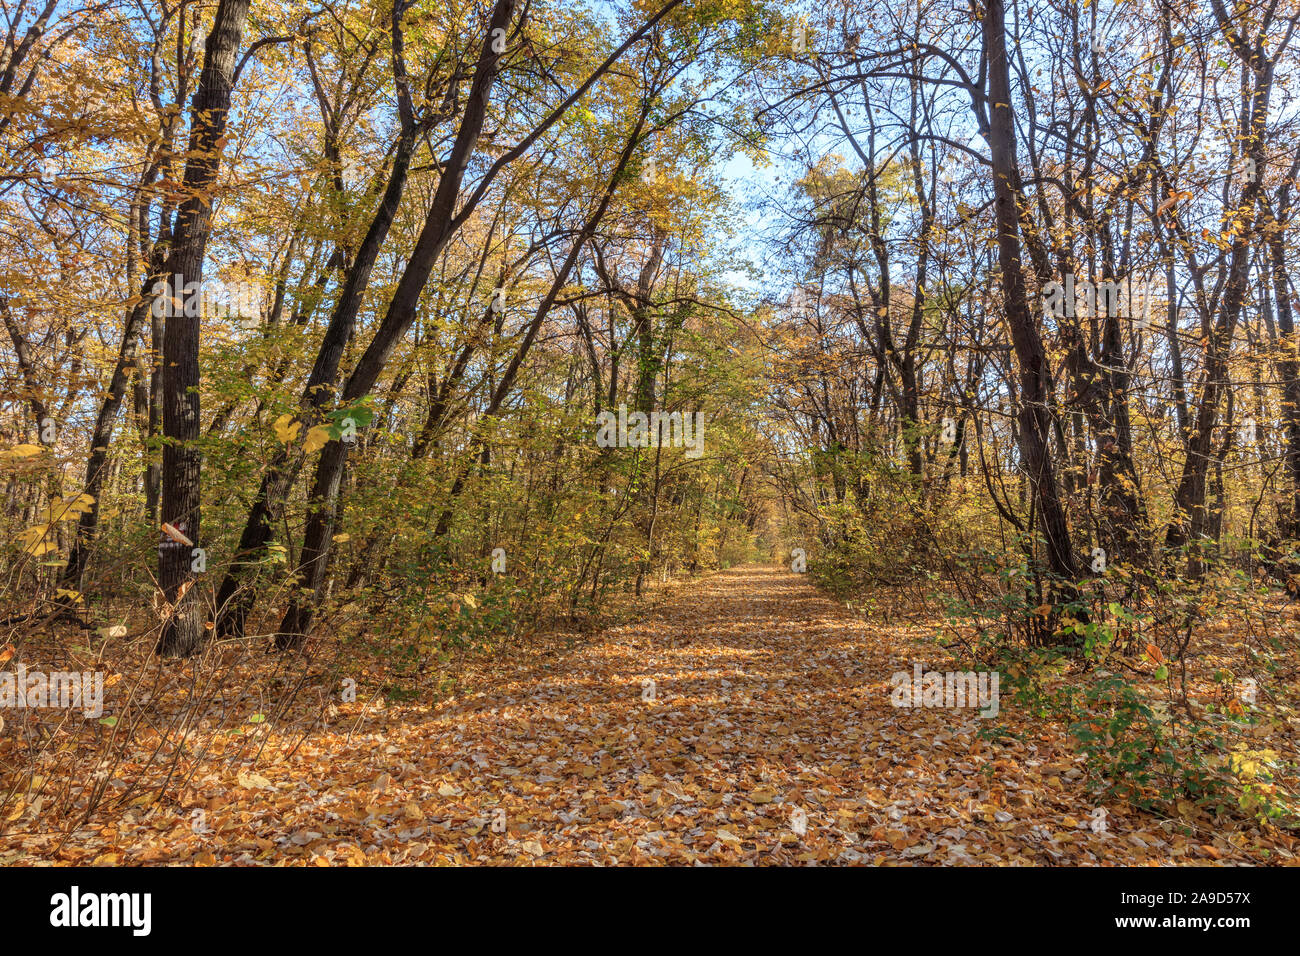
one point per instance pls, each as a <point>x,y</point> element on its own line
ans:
<point>176,535</point>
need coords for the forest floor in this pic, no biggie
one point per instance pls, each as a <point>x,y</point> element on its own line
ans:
<point>770,705</point>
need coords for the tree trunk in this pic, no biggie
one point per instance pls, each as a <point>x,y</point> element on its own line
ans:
<point>183,630</point>
<point>1190,522</point>
<point>1035,376</point>
<point>1288,360</point>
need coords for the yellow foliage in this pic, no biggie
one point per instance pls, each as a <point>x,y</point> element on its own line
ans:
<point>286,429</point>
<point>318,437</point>
<point>21,451</point>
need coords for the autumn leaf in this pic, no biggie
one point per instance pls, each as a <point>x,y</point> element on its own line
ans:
<point>286,429</point>
<point>41,546</point>
<point>21,451</point>
<point>254,781</point>
<point>176,535</point>
<point>318,436</point>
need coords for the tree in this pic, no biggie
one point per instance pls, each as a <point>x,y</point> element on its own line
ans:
<point>182,631</point>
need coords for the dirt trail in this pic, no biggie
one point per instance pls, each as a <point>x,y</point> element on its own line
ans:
<point>770,704</point>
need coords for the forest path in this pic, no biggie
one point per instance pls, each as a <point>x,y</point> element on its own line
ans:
<point>770,706</point>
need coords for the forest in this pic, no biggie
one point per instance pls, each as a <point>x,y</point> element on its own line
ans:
<point>651,432</point>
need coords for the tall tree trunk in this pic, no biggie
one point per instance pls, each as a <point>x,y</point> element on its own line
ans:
<point>1035,378</point>
<point>1288,360</point>
<point>100,438</point>
<point>182,631</point>
<point>1190,521</point>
